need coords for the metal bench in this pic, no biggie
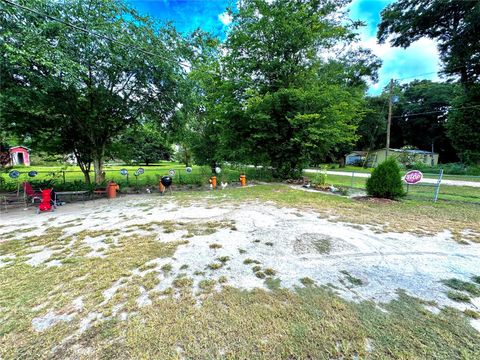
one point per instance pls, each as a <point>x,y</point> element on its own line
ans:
<point>84,193</point>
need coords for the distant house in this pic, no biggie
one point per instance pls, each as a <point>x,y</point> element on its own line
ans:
<point>412,155</point>
<point>355,158</point>
<point>19,155</point>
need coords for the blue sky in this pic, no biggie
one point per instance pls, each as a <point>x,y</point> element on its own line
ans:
<point>420,58</point>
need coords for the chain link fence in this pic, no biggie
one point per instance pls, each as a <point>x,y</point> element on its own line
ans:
<point>435,186</point>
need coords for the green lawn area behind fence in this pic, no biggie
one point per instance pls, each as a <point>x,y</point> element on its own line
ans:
<point>72,178</point>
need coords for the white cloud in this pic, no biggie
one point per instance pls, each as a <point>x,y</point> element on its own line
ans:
<point>225,18</point>
<point>420,60</point>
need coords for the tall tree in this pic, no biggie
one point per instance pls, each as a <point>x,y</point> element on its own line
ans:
<point>464,125</point>
<point>197,127</point>
<point>144,143</point>
<point>76,90</point>
<point>372,128</point>
<point>280,110</point>
<point>455,26</point>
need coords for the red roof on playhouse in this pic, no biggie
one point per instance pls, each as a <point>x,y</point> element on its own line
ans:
<point>19,155</point>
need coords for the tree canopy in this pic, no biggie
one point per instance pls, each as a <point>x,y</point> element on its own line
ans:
<point>291,96</point>
<point>454,24</point>
<point>73,90</point>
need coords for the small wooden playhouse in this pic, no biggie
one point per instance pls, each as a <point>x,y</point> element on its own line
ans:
<point>19,155</point>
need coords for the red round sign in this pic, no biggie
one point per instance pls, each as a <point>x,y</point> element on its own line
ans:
<point>413,177</point>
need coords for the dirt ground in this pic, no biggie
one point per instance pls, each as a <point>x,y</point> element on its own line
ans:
<point>86,266</point>
<point>359,262</point>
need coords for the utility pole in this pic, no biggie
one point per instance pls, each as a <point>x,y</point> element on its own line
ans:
<point>389,118</point>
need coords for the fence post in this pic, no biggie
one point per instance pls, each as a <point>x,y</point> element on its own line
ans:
<point>437,189</point>
<point>63,175</point>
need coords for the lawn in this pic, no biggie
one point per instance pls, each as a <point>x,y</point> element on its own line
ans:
<point>71,177</point>
<point>418,192</point>
<point>258,272</point>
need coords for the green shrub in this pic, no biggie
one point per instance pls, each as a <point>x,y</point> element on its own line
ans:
<point>386,181</point>
<point>320,178</point>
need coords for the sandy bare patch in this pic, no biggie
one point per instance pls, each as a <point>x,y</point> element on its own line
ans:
<point>266,242</point>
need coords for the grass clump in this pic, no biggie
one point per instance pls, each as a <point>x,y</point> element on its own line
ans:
<point>182,282</point>
<point>269,243</point>
<point>167,267</point>
<point>207,285</point>
<point>476,279</point>
<point>458,296</point>
<point>273,284</point>
<point>223,259</point>
<point>256,268</point>
<point>323,246</point>
<point>250,261</point>
<point>352,279</point>
<point>215,266</point>
<point>306,281</point>
<point>460,285</point>
<point>270,272</point>
<point>471,314</point>
<point>222,279</point>
<point>242,251</point>
<point>214,246</point>
<point>260,275</point>
<point>184,267</point>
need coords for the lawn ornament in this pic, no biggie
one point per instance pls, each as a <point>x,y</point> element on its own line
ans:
<point>137,173</point>
<point>46,204</point>
<point>14,174</point>
<point>188,169</point>
<point>165,183</point>
<point>223,185</point>
<point>112,189</point>
<point>171,172</point>
<point>32,173</point>
<point>243,180</point>
<point>218,170</point>
<point>124,172</point>
<point>213,182</point>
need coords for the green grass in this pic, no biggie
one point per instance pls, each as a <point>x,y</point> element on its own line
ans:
<point>460,285</point>
<point>458,296</point>
<point>419,192</point>
<point>71,177</point>
<point>352,279</point>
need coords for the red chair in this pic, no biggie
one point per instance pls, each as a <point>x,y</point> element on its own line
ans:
<point>46,204</point>
<point>31,194</point>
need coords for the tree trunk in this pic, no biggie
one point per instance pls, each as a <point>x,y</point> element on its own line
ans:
<point>84,166</point>
<point>98,166</point>
<point>86,174</point>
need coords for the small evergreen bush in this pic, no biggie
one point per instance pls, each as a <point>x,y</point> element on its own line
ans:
<point>386,181</point>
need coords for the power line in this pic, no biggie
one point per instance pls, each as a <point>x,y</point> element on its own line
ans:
<point>435,112</point>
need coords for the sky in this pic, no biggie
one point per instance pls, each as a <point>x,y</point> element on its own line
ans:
<point>397,63</point>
